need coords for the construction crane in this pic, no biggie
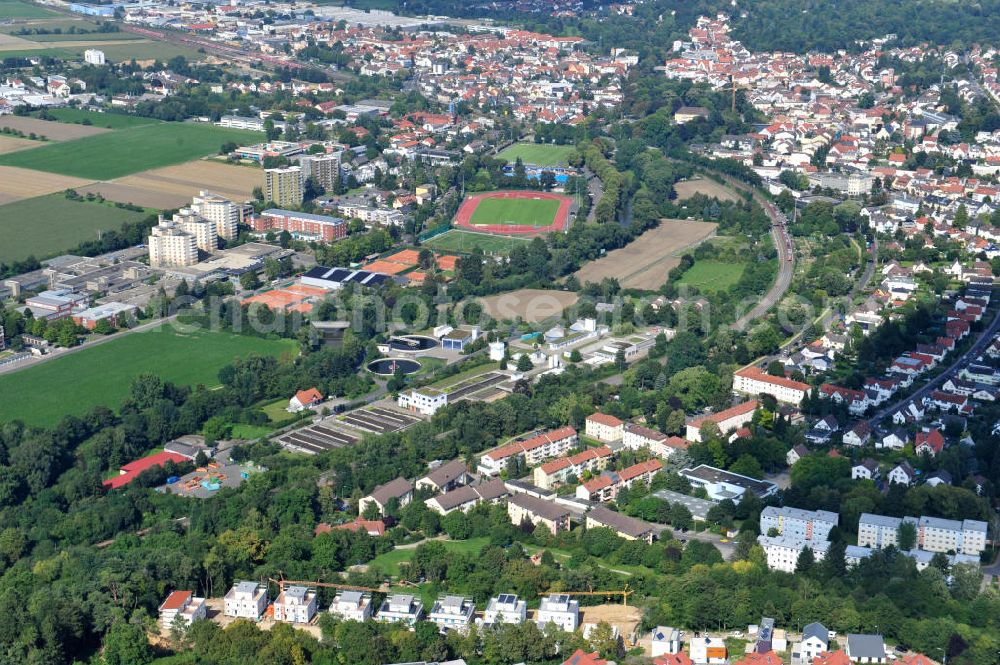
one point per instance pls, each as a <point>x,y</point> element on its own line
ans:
<point>328,585</point>
<point>733,87</point>
<point>624,593</point>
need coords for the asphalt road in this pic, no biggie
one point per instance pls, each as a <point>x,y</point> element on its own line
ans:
<point>980,345</point>
<point>786,258</point>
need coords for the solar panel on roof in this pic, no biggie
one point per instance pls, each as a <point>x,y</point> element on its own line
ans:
<point>505,598</point>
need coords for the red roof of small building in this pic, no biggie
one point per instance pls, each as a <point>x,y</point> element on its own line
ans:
<point>837,657</point>
<point>672,659</point>
<point>605,419</point>
<point>176,600</point>
<point>768,658</point>
<point>740,409</point>
<point>131,470</point>
<point>580,657</point>
<point>311,396</point>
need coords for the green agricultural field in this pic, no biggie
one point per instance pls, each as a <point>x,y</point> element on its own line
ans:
<point>514,212</point>
<point>48,225</point>
<point>44,393</point>
<point>538,154</point>
<point>104,120</point>
<point>116,154</point>
<point>18,9</point>
<point>145,50</point>
<point>461,241</point>
<point>85,37</point>
<point>37,53</point>
<point>712,275</point>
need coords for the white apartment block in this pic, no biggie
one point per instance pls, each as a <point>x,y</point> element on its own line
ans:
<point>934,534</point>
<point>534,451</point>
<point>753,381</point>
<point>296,604</point>
<point>93,56</point>
<point>635,437</point>
<point>219,210</point>
<point>171,246</point>
<point>425,401</point>
<point>505,608</point>
<point>246,600</point>
<point>783,551</point>
<point>183,605</point>
<point>877,531</point>
<point>559,470</point>
<point>560,610</point>
<point>604,427</point>
<point>402,608</point>
<point>368,214</point>
<point>452,613</point>
<point>352,606</point>
<point>798,523</point>
<point>203,230</point>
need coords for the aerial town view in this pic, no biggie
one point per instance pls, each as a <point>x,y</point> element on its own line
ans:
<point>499,332</point>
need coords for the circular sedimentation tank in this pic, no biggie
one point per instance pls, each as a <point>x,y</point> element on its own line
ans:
<point>388,366</point>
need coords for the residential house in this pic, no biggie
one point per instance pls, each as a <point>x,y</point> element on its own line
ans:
<point>903,474</point>
<point>940,477</point>
<point>401,607</point>
<point>560,610</point>
<point>445,477</point>
<point>857,401</point>
<point>505,608</point>
<point>246,600</point>
<point>452,613</point>
<point>624,526</point>
<point>533,451</point>
<point>399,490</point>
<point>665,640</point>
<point>866,648</point>
<point>708,650</point>
<point>929,442</point>
<point>797,452</point>
<point>295,604</point>
<point>581,657</point>
<point>815,640</point>
<point>604,427</point>
<point>679,658</point>
<point>821,432</point>
<point>760,658</point>
<point>838,657</point>
<point>606,486</point>
<point>894,440</point>
<point>560,470</point>
<point>866,469</point>
<point>352,605</point>
<point>183,607</point>
<point>522,508</point>
<point>304,399</point>
<point>859,435</point>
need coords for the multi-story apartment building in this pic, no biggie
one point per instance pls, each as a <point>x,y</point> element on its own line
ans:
<point>731,419</point>
<point>283,186</point>
<point>934,534</point>
<point>559,609</point>
<point>524,507</point>
<point>246,600</point>
<point>171,246</point>
<point>225,214</point>
<point>606,486</point>
<point>797,523</point>
<point>425,401</point>
<point>183,605</point>
<point>559,470</point>
<point>505,608</point>
<point>754,381</point>
<point>295,604</point>
<point>533,451</point>
<point>352,606</point>
<point>604,427</point>
<point>400,490</point>
<point>302,225</point>
<point>93,56</point>
<point>635,437</point>
<point>878,531</point>
<point>324,168</point>
<point>452,613</point>
<point>783,551</point>
<point>205,236</point>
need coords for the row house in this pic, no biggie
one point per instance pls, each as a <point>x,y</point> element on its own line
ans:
<point>560,470</point>
<point>465,498</point>
<point>606,486</point>
<point>857,401</point>
<point>533,451</point>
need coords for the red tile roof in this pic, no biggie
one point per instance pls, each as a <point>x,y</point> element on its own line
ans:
<point>605,419</point>
<point>131,470</point>
<point>176,600</point>
<point>731,412</point>
<point>759,375</point>
<point>837,657</point>
<point>311,396</point>
<point>769,658</point>
<point>673,659</point>
<point>580,657</point>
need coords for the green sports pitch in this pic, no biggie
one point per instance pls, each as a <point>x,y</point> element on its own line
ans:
<point>514,212</point>
<point>465,242</point>
<point>538,154</point>
<point>126,151</point>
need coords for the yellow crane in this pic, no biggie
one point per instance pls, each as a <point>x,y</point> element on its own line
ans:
<point>624,593</point>
<point>328,585</point>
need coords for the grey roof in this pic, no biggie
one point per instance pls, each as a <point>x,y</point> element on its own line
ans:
<point>620,523</point>
<point>545,509</point>
<point>394,489</point>
<point>447,472</point>
<point>488,491</point>
<point>816,630</point>
<point>865,646</point>
<point>879,520</point>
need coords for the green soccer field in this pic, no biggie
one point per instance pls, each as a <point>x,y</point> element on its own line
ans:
<point>458,240</point>
<point>538,154</point>
<point>43,394</point>
<point>514,212</point>
<point>48,225</point>
<point>126,151</point>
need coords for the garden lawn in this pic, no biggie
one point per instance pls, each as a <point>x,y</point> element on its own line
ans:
<point>42,394</point>
<point>389,562</point>
<point>275,411</point>
<point>461,241</point>
<point>104,120</point>
<point>115,154</point>
<point>538,154</point>
<point>516,212</point>
<point>48,225</point>
<point>712,275</point>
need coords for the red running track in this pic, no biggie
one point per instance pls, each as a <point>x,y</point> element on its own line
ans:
<point>463,218</point>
